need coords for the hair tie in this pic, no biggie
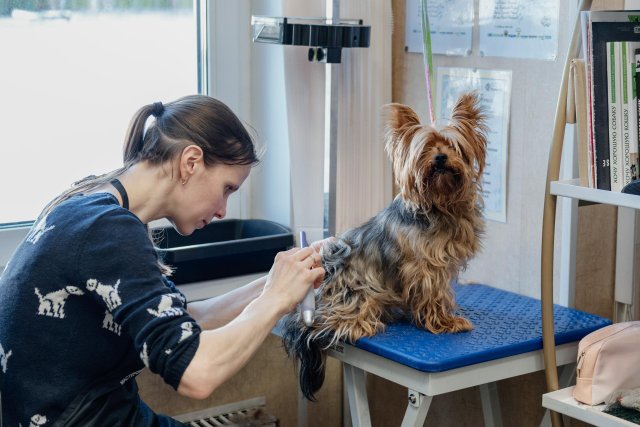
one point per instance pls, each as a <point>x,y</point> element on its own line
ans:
<point>158,109</point>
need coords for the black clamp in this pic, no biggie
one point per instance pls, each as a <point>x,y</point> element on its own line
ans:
<point>325,37</point>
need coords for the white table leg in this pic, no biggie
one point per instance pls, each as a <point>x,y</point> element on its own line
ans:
<point>417,409</point>
<point>490,405</point>
<point>356,385</point>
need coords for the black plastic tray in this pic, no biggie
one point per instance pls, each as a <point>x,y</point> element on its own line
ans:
<point>224,248</point>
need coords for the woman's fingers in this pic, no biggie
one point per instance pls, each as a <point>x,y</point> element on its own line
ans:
<point>308,256</point>
<point>294,272</point>
<point>303,253</point>
<point>309,262</point>
<point>319,244</point>
<point>313,260</point>
<point>318,273</point>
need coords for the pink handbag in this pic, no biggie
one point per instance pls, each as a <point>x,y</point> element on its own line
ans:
<point>608,360</point>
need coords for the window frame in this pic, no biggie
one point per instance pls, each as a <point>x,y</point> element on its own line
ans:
<point>11,234</point>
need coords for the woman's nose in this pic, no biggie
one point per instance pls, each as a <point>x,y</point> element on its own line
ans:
<point>222,212</point>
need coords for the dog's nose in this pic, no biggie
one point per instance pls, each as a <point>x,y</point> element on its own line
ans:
<point>440,159</point>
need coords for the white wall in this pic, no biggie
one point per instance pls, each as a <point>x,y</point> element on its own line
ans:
<point>270,181</point>
<point>230,71</point>
<point>511,256</point>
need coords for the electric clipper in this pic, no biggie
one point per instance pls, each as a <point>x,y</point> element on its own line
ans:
<point>308,304</point>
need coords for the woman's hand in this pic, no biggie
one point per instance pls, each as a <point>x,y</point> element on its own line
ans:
<point>318,246</point>
<point>292,275</point>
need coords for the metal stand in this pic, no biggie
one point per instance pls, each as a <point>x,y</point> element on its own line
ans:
<point>332,86</point>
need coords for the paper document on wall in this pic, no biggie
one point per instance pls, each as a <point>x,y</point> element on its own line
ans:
<point>519,28</point>
<point>451,25</point>
<point>494,88</point>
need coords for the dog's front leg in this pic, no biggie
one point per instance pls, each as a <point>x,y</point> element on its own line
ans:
<point>428,294</point>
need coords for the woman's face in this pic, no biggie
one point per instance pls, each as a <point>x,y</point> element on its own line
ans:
<point>205,195</point>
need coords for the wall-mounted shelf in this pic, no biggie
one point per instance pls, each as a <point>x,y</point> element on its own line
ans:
<point>571,188</point>
<point>562,401</point>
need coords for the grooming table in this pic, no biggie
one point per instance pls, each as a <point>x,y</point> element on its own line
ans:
<point>506,341</point>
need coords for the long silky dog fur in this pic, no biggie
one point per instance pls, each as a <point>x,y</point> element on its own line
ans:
<point>404,259</point>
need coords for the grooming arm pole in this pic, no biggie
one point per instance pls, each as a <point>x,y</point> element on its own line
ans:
<point>332,85</point>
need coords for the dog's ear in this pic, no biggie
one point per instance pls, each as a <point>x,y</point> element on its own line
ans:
<point>398,116</point>
<point>469,119</point>
<point>399,119</point>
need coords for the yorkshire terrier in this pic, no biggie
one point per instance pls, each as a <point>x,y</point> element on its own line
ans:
<point>404,258</point>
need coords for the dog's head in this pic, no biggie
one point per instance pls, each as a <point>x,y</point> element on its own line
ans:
<point>437,167</point>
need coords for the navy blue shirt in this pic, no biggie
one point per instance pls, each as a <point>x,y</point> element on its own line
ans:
<point>83,308</point>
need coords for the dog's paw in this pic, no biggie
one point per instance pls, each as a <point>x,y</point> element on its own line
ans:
<point>460,324</point>
<point>449,324</point>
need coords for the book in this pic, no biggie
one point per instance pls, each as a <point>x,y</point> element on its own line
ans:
<point>613,60</point>
<point>585,25</point>
<point>635,145</point>
<point>629,109</point>
<point>579,110</point>
<point>606,26</point>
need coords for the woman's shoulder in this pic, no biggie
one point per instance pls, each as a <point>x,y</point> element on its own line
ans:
<point>87,203</point>
<point>95,211</point>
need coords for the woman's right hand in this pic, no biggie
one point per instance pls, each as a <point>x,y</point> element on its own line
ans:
<point>293,273</point>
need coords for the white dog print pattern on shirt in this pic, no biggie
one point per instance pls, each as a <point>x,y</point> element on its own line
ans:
<point>52,304</point>
<point>4,358</point>
<point>166,308</point>
<point>38,420</point>
<point>187,331</point>
<point>108,293</point>
<point>109,324</point>
<point>144,355</point>
<point>38,230</point>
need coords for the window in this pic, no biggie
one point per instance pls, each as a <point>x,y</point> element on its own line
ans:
<point>73,74</point>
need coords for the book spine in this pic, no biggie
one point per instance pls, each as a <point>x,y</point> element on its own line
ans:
<point>613,103</point>
<point>600,111</point>
<point>628,106</point>
<point>634,150</point>
<point>632,95</point>
<point>585,17</point>
<point>580,96</point>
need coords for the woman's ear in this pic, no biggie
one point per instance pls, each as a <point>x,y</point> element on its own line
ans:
<point>191,157</point>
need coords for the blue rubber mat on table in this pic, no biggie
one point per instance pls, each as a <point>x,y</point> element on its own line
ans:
<point>505,324</point>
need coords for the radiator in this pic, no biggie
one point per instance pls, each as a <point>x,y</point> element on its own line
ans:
<point>245,413</point>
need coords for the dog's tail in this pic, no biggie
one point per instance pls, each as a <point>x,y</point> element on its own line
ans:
<point>308,350</point>
<point>307,344</point>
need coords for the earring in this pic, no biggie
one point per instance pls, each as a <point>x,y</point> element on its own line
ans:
<point>184,181</point>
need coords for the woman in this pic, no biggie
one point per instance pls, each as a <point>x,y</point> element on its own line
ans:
<point>86,303</point>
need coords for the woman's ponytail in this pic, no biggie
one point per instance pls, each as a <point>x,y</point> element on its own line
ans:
<point>134,139</point>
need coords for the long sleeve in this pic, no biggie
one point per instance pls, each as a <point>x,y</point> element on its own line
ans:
<point>118,268</point>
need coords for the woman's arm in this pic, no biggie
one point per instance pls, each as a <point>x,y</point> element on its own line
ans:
<point>224,351</point>
<point>216,312</point>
